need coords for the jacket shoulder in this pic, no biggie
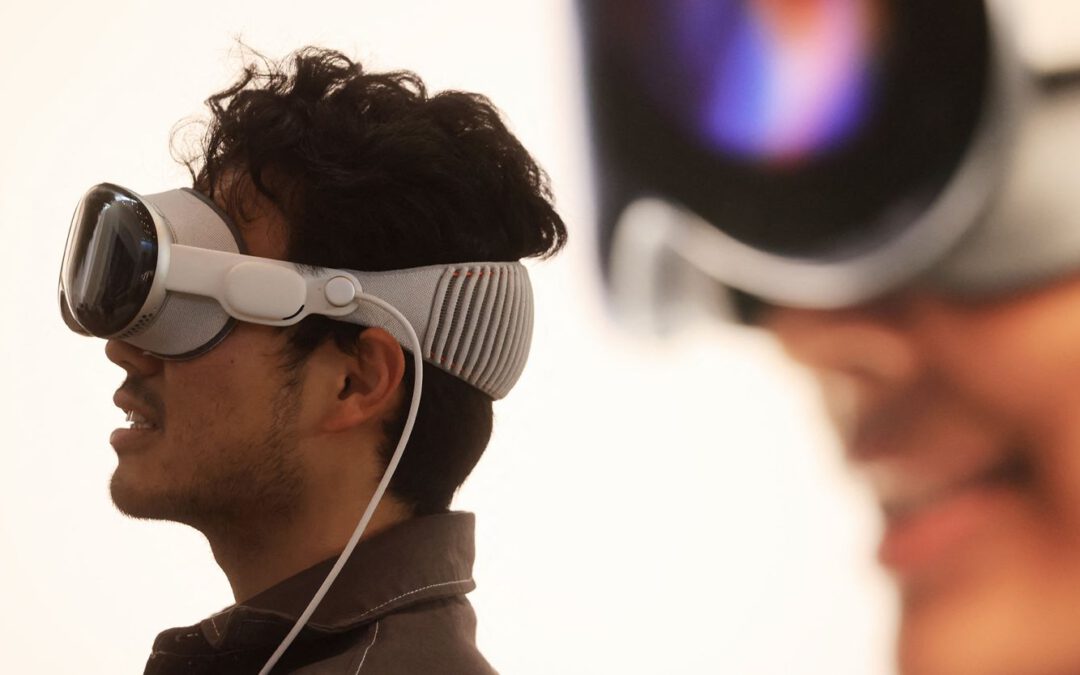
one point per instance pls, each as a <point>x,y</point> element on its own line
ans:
<point>435,637</point>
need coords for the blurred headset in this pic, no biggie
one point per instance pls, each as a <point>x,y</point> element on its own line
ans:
<point>821,153</point>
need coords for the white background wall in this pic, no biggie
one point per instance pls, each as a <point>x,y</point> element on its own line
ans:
<point>643,507</point>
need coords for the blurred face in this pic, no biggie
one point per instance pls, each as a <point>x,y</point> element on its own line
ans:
<point>964,417</point>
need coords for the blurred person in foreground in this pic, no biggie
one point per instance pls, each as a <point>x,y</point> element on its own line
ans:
<point>273,437</point>
<point>893,190</point>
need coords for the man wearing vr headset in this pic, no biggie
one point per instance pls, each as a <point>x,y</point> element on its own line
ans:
<point>273,437</point>
<point>892,189</point>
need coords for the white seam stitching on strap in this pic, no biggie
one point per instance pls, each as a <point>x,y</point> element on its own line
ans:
<point>414,591</point>
<point>368,648</point>
<point>213,622</point>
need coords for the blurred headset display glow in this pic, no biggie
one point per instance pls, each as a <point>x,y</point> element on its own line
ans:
<point>820,153</point>
<point>768,83</point>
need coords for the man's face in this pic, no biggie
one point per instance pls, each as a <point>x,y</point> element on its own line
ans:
<point>223,442</point>
<point>965,419</point>
<point>222,447</point>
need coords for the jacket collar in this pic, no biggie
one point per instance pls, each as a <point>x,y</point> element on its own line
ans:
<point>418,560</point>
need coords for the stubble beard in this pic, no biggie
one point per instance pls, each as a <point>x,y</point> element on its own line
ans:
<point>248,486</point>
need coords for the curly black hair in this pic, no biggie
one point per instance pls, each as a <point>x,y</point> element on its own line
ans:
<point>371,172</point>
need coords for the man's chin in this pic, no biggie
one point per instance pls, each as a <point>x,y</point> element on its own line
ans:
<point>937,637</point>
<point>990,629</point>
<point>134,499</point>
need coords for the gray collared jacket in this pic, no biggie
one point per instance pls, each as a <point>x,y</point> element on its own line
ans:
<point>398,608</point>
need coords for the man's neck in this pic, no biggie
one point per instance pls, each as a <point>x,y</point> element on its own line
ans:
<point>260,555</point>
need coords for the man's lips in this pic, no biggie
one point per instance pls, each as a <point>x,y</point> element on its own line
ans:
<point>928,517</point>
<point>144,423</point>
<point>140,414</point>
<point>904,492</point>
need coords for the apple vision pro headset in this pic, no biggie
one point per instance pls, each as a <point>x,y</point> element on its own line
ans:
<point>167,273</point>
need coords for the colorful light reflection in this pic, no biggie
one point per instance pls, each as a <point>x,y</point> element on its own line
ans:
<point>777,80</point>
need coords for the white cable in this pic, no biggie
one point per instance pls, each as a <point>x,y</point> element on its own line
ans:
<point>414,405</point>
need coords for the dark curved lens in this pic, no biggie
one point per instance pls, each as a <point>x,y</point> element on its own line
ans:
<point>801,127</point>
<point>110,260</point>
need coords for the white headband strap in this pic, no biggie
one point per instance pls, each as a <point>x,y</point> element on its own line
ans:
<point>474,320</point>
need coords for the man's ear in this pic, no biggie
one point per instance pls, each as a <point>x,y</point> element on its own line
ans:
<point>367,382</point>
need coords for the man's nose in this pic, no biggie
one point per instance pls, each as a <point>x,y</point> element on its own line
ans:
<point>133,360</point>
<point>870,345</point>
